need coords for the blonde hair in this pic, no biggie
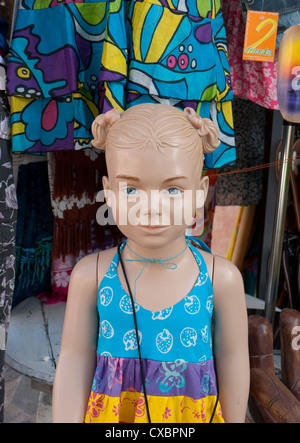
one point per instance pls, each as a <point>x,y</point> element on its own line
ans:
<point>154,125</point>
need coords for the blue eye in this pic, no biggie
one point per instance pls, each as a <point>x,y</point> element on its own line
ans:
<point>130,190</point>
<point>174,191</point>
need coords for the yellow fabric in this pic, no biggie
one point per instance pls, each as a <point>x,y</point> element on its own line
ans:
<point>167,26</point>
<point>130,407</point>
<point>113,59</point>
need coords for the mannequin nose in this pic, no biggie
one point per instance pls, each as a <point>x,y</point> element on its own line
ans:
<point>151,208</point>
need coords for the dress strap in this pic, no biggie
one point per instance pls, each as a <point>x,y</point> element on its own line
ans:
<point>97,270</point>
<point>115,261</point>
<point>213,270</point>
<point>199,243</point>
<point>205,248</point>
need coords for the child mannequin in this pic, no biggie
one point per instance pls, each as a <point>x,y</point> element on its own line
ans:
<point>157,365</point>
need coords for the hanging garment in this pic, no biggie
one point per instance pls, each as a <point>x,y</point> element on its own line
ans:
<point>3,52</point>
<point>3,34</point>
<point>53,70</point>
<point>77,181</point>
<point>75,178</point>
<point>6,12</point>
<point>62,267</point>
<point>8,215</point>
<point>171,52</point>
<point>256,81</point>
<point>289,13</point>
<point>244,188</point>
<point>34,235</point>
<point>8,218</point>
<point>71,61</point>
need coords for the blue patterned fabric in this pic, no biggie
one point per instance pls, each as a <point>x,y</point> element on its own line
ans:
<point>176,356</point>
<point>182,331</point>
<point>68,62</point>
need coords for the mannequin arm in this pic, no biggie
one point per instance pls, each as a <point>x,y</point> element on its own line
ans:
<point>231,341</point>
<point>77,358</point>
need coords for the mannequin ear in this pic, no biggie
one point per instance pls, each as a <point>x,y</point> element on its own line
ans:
<point>202,192</point>
<point>101,126</point>
<point>205,128</point>
<point>107,191</point>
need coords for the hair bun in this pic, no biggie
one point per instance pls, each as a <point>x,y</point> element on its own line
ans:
<point>101,126</point>
<point>206,129</point>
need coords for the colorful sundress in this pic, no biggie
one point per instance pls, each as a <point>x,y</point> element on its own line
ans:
<point>70,61</point>
<point>176,350</point>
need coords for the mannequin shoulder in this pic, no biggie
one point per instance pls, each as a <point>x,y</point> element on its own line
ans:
<point>88,263</point>
<point>225,270</point>
<point>221,270</point>
<point>228,282</point>
<point>91,269</point>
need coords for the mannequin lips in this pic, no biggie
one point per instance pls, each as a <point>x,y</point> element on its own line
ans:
<point>153,228</point>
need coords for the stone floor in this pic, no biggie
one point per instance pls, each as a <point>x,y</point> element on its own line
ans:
<point>23,403</point>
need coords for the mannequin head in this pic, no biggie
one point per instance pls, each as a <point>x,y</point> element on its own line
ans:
<point>154,156</point>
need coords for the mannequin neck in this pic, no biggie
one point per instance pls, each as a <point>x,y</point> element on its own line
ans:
<point>164,251</point>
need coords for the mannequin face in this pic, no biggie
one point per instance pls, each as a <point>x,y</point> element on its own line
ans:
<point>155,192</point>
